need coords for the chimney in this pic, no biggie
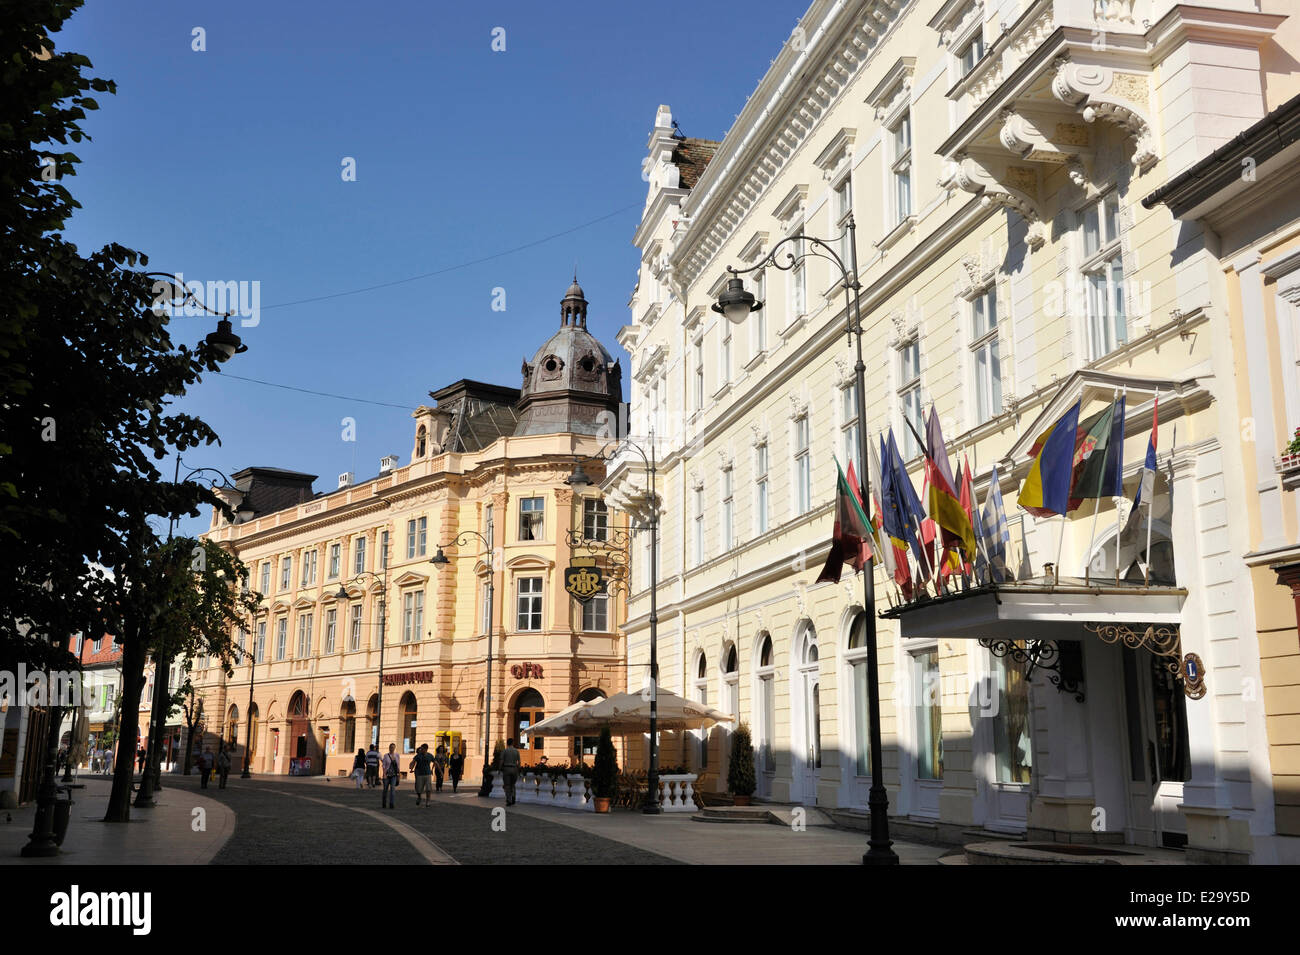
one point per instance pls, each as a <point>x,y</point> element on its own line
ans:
<point>387,463</point>
<point>346,479</point>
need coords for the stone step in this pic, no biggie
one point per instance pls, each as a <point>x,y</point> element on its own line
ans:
<point>780,815</point>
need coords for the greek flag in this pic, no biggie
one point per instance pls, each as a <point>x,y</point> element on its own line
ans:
<point>994,531</point>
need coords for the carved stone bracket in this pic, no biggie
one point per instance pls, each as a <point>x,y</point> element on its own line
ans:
<point>1121,98</point>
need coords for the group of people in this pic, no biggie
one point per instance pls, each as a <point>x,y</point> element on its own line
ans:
<point>428,768</point>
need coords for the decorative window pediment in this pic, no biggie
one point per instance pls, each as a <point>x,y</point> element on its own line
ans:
<point>753,249</point>
<point>791,207</point>
<point>838,151</point>
<point>893,92</point>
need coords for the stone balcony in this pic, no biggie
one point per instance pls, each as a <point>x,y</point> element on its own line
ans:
<point>1036,101</point>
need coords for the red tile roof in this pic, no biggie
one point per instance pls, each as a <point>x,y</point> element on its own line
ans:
<point>691,157</point>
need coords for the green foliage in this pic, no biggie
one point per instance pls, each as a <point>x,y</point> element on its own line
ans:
<point>87,369</point>
<point>1294,446</point>
<point>604,780</point>
<point>740,773</point>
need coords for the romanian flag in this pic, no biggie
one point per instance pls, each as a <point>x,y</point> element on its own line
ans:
<point>945,504</point>
<point>1099,456</point>
<point>1046,490</point>
<point>849,540</point>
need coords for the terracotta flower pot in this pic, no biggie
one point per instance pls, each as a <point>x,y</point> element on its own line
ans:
<point>602,803</point>
<point>743,800</point>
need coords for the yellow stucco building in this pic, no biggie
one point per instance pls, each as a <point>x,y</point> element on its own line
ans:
<point>349,590</point>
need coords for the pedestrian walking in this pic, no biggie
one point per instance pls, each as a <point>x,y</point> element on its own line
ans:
<point>456,765</point>
<point>359,767</point>
<point>223,767</point>
<point>439,766</point>
<point>510,770</point>
<point>392,776</point>
<point>372,766</point>
<point>206,762</point>
<point>139,757</point>
<point>422,765</point>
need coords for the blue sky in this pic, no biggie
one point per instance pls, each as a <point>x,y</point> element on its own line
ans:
<point>226,165</point>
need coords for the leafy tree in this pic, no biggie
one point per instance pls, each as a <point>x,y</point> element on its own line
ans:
<point>740,772</point>
<point>604,779</point>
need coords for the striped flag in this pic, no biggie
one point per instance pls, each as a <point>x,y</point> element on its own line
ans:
<point>849,540</point>
<point>994,531</point>
<point>1046,489</point>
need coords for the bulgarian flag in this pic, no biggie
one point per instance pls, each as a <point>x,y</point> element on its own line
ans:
<point>850,541</point>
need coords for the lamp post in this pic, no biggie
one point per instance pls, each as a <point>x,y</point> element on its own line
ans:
<point>441,560</point>
<point>248,735</point>
<point>736,303</point>
<point>578,480</point>
<point>342,594</point>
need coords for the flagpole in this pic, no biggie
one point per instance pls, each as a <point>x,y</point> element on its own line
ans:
<point>1151,499</point>
<point>1060,546</point>
<point>1087,567</point>
<point>1121,489</point>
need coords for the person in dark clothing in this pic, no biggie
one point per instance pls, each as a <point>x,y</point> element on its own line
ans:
<point>439,765</point>
<point>372,766</point>
<point>359,767</point>
<point>510,763</point>
<point>456,766</point>
<point>206,762</point>
<point>422,765</point>
<point>223,767</point>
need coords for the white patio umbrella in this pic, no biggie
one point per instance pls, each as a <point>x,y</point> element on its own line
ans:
<point>630,712</point>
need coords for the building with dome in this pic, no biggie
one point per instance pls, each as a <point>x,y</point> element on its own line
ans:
<point>361,638</point>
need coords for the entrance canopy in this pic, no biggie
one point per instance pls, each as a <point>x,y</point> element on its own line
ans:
<point>1040,609</point>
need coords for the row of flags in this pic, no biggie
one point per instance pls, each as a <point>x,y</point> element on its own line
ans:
<point>952,535</point>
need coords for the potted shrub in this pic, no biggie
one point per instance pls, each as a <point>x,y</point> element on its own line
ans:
<point>740,773</point>
<point>604,777</point>
<point>1290,457</point>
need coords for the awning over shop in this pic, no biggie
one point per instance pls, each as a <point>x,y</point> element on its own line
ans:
<point>1040,610</point>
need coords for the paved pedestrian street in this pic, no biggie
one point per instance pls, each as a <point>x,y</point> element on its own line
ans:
<point>311,821</point>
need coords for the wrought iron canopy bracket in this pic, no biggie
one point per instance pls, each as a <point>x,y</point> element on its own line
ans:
<point>1063,666</point>
<point>1161,641</point>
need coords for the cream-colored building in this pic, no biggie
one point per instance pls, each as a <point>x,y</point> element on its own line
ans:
<point>486,460</point>
<point>995,158</point>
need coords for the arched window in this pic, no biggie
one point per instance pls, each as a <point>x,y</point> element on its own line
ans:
<point>251,742</point>
<point>348,717</point>
<point>232,725</point>
<point>372,719</point>
<point>420,441</point>
<point>702,696</point>
<point>529,709</point>
<point>299,724</point>
<point>855,658</point>
<point>765,710</point>
<point>586,745</point>
<point>407,710</point>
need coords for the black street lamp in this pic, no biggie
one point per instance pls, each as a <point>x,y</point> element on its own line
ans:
<point>578,480</point>
<point>342,594</point>
<point>441,560</point>
<point>736,303</point>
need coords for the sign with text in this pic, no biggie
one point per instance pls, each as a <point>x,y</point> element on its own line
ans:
<point>411,676</point>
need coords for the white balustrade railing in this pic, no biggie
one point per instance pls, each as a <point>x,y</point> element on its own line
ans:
<point>677,793</point>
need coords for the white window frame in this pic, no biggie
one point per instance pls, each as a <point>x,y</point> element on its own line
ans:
<point>841,206</point>
<point>412,616</point>
<point>699,392</point>
<point>359,554</point>
<point>286,573</point>
<point>797,284</point>
<point>986,385</point>
<point>259,648</point>
<point>801,462</point>
<point>595,614</point>
<point>331,630</point>
<point>304,635</point>
<point>901,198</point>
<point>595,519</point>
<point>266,578</point>
<point>728,509</point>
<point>762,489</point>
<point>356,617</point>
<point>281,638</point>
<point>698,499</point>
<point>1105,322</point>
<point>849,444</point>
<point>525,614</point>
<point>909,391</point>
<point>536,525</point>
<point>336,560</point>
<point>758,318</point>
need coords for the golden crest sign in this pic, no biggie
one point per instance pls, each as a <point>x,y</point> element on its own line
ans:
<point>583,579</point>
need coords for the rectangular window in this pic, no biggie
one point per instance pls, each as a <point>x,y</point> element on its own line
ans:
<point>901,167</point>
<point>281,637</point>
<point>259,651</point>
<point>331,629</point>
<point>266,578</point>
<point>699,526</point>
<point>758,328</point>
<point>241,641</point>
<point>531,511</point>
<point>929,718</point>
<point>488,525</point>
<point>969,55</point>
<point>841,210</point>
<point>1011,741</point>
<point>96,645</point>
<point>308,567</point>
<point>798,282</point>
<point>354,630</point>
<point>760,489</point>
<point>728,511</point>
<point>984,354</point>
<point>699,374</point>
<point>802,466</point>
<point>383,550</point>
<point>286,572</point>
<point>595,614</point>
<point>336,560</point>
<point>909,394</point>
<point>724,354</point>
<point>1103,276</point>
<point>421,537</point>
<point>595,520</point>
<point>304,635</point>
<point>529,616</point>
<point>849,427</point>
<point>412,616</point>
<point>485,609</point>
<point>861,718</point>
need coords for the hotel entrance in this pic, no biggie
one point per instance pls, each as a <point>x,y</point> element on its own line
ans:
<point>529,710</point>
